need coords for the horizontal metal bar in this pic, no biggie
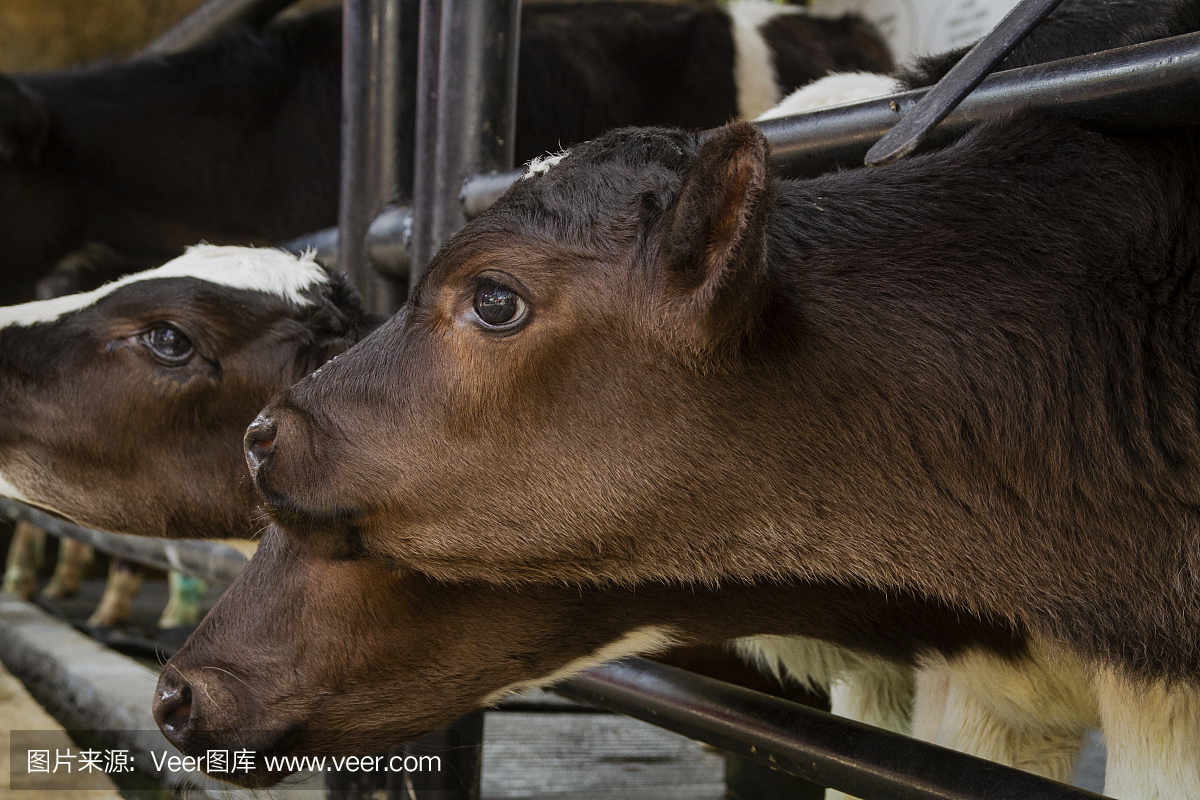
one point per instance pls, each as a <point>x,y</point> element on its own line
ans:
<point>214,562</point>
<point>323,242</point>
<point>866,762</point>
<point>1128,90</point>
<point>212,19</point>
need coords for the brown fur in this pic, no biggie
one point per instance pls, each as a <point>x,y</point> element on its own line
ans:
<point>970,378</point>
<point>347,654</point>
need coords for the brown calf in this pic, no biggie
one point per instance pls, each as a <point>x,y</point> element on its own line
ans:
<point>318,648</point>
<point>968,378</point>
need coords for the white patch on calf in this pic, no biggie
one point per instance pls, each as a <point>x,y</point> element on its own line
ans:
<point>1031,712</point>
<point>10,491</point>
<point>256,269</point>
<point>646,640</point>
<point>753,63</point>
<point>861,688</point>
<point>1151,731</point>
<point>543,164</point>
<point>833,90</point>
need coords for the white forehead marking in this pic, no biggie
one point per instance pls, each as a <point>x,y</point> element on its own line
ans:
<point>753,63</point>
<point>256,269</point>
<point>544,163</point>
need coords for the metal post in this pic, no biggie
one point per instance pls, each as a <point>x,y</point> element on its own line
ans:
<point>466,111</point>
<point>465,124</point>
<point>371,80</point>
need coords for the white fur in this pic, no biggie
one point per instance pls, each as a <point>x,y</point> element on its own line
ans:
<point>1153,736</point>
<point>833,90</point>
<point>1031,713</point>
<point>860,688</point>
<point>543,164</point>
<point>646,640</point>
<point>8,490</point>
<point>754,72</point>
<point>257,269</point>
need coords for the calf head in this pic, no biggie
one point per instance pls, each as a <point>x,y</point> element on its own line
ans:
<point>121,408</point>
<point>324,646</point>
<point>558,391</point>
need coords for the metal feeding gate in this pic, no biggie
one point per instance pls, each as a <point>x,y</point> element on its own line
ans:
<point>428,117</point>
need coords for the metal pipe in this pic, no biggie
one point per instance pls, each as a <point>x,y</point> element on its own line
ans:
<point>964,76</point>
<point>214,562</point>
<point>370,93</point>
<point>212,19</point>
<point>466,111</point>
<point>1127,90</point>
<point>1116,91</point>
<point>863,761</point>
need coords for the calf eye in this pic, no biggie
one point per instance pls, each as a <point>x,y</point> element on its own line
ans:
<point>499,307</point>
<point>168,344</point>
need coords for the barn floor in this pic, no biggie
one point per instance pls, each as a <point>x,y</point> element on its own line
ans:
<point>527,754</point>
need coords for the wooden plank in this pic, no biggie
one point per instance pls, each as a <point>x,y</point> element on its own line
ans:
<point>554,756</point>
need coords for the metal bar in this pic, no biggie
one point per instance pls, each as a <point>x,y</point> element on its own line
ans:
<point>959,81</point>
<point>212,19</point>
<point>466,111</point>
<point>865,762</point>
<point>370,93</point>
<point>214,562</point>
<point>465,123</point>
<point>1127,90</point>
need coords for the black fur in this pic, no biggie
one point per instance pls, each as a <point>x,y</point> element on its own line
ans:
<point>236,142</point>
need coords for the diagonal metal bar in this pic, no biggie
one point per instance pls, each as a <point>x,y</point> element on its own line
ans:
<point>211,19</point>
<point>866,762</point>
<point>989,51</point>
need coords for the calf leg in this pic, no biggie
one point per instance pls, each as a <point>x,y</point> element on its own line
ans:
<point>124,581</point>
<point>25,554</point>
<point>183,605</point>
<point>1152,732</point>
<point>74,561</point>
<point>877,693</point>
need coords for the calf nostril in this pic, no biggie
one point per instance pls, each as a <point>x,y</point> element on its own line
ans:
<point>174,707</point>
<point>260,437</point>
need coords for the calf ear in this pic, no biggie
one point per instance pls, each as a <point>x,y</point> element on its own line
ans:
<point>23,123</point>
<point>714,238</point>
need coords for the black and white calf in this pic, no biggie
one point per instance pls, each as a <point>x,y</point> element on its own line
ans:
<point>122,408</point>
<point>107,170</point>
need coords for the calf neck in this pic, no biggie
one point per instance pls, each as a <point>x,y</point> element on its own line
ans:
<point>969,376</point>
